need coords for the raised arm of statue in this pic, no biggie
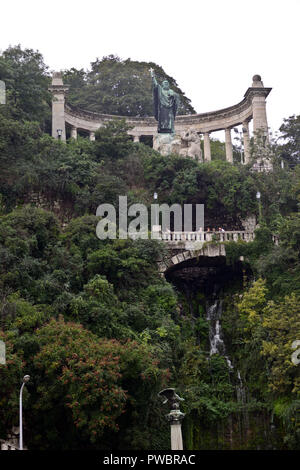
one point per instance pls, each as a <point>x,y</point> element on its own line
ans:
<point>154,81</point>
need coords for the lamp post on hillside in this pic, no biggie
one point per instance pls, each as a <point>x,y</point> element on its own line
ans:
<point>26,378</point>
<point>155,227</point>
<point>259,206</point>
<point>175,416</point>
<point>155,196</point>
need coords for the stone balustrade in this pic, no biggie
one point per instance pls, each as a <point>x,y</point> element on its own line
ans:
<point>199,236</point>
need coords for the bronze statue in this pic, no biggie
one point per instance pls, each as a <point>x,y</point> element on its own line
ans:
<point>166,103</point>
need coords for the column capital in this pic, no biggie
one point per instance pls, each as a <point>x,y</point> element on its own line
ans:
<point>57,84</point>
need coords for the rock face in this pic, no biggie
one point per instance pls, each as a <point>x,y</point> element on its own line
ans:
<point>167,143</point>
<point>186,144</point>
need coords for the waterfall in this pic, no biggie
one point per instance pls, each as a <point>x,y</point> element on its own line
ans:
<point>240,391</point>
<point>216,342</point>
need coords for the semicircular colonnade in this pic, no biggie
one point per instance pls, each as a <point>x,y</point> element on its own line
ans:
<point>253,106</point>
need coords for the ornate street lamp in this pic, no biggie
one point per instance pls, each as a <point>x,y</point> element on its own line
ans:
<point>175,416</point>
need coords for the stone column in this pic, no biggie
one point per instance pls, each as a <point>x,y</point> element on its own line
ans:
<point>136,138</point>
<point>246,139</point>
<point>176,435</point>
<point>74,133</point>
<point>92,136</point>
<point>58,91</point>
<point>260,122</point>
<point>228,145</point>
<point>207,153</point>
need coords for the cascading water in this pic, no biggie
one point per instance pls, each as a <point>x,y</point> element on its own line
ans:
<point>213,315</point>
<point>217,346</point>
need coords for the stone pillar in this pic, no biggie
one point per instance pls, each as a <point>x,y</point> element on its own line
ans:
<point>136,138</point>
<point>58,91</point>
<point>228,145</point>
<point>207,153</point>
<point>92,136</point>
<point>259,110</point>
<point>74,133</point>
<point>246,139</point>
<point>176,436</point>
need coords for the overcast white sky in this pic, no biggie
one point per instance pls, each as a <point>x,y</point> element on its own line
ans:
<point>211,47</point>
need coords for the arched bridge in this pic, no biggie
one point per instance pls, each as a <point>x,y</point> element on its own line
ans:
<point>184,246</point>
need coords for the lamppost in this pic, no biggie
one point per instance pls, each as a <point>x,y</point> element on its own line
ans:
<point>175,416</point>
<point>155,196</point>
<point>26,378</point>
<point>259,205</point>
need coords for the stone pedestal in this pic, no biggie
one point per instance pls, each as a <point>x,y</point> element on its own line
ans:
<point>175,418</point>
<point>185,144</point>
<point>167,143</point>
<point>176,436</point>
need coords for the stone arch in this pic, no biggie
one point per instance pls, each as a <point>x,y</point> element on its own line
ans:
<point>209,251</point>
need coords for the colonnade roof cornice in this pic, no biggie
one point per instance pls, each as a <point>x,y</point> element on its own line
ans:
<point>204,122</point>
<point>150,121</point>
<point>257,91</point>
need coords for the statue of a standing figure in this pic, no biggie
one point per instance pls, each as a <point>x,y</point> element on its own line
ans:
<point>166,103</point>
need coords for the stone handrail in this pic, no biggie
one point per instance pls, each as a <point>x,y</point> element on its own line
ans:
<point>200,236</point>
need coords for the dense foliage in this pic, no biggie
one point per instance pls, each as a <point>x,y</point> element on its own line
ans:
<point>94,324</point>
<point>120,87</point>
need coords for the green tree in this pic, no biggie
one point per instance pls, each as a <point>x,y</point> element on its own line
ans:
<point>120,87</point>
<point>88,383</point>
<point>290,130</point>
<point>27,79</point>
